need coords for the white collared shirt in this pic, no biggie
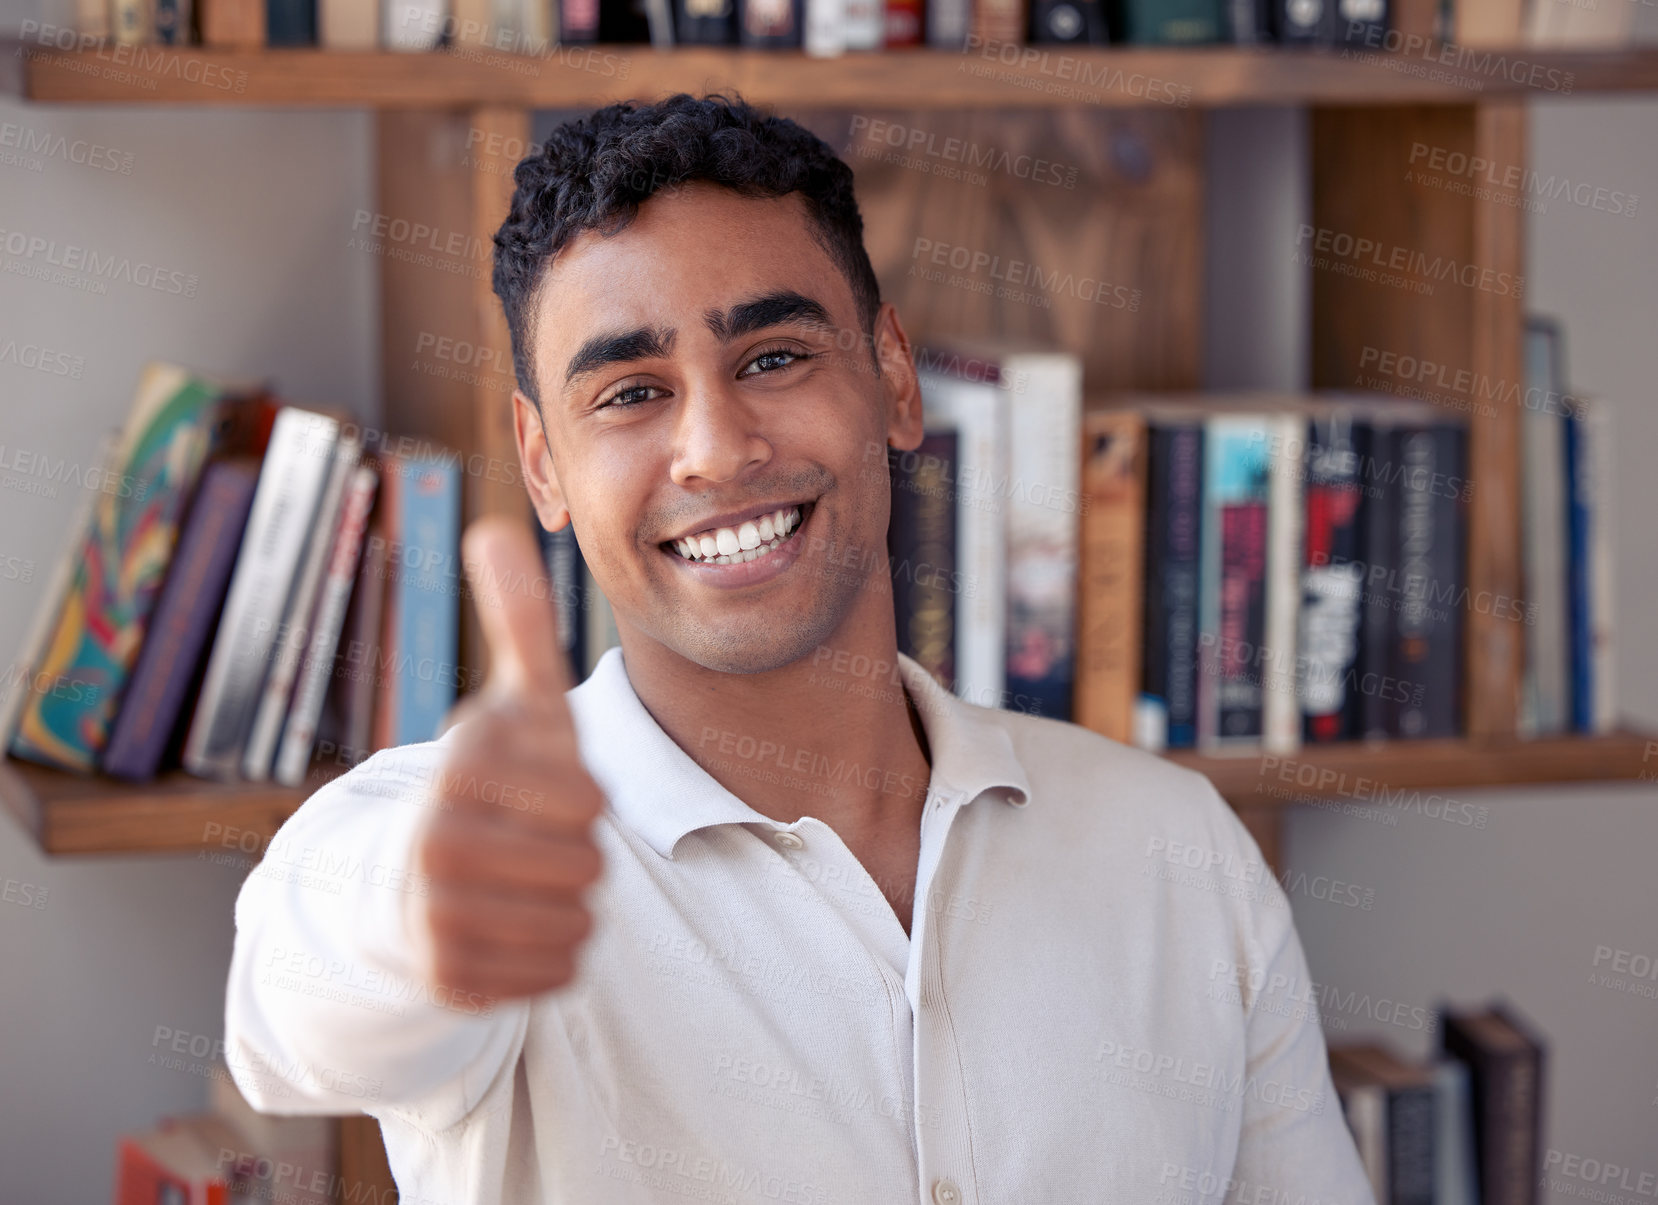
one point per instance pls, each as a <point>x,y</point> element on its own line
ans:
<point>1102,998</point>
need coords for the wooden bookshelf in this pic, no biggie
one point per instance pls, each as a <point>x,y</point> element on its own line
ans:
<point>177,813</point>
<point>983,79</point>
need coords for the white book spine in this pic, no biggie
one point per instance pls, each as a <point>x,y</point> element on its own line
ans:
<point>412,24</point>
<point>1597,432</point>
<point>299,734</point>
<point>825,35</point>
<point>865,24</point>
<point>294,634</point>
<point>1286,514</point>
<point>348,24</point>
<point>296,468</point>
<point>1044,406</point>
<point>978,414</point>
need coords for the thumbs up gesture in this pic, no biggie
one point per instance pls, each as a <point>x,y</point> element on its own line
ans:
<point>506,846</point>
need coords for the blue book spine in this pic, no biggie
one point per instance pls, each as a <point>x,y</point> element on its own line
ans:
<point>1579,497</point>
<point>428,599</point>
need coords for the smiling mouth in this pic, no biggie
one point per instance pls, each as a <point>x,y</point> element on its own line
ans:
<point>754,539</point>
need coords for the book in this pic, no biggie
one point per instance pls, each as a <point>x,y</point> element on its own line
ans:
<point>1303,22</point>
<point>921,542</point>
<point>1378,510</point>
<point>1110,586</point>
<point>1361,22</point>
<point>1487,22</point>
<point>1456,1181</point>
<point>1332,579</point>
<point>1410,1108</point>
<point>1249,22</point>
<point>474,22</point>
<point>946,23</point>
<point>1364,1107</point>
<point>185,617</point>
<point>1505,1058</point>
<point>346,729</point>
<point>420,626</point>
<point>904,23</point>
<point>997,22</point>
<point>1171,22</point>
<point>706,22</point>
<point>1077,21</point>
<point>1589,561</point>
<point>92,19</point>
<point>567,582</point>
<point>291,22</point>
<point>1431,527</point>
<point>291,483</point>
<point>864,22</point>
<point>179,1161</point>
<point>299,731</point>
<point>132,22</point>
<point>348,24</point>
<point>770,24</point>
<point>412,25</point>
<point>977,411</point>
<point>1166,715</point>
<point>625,22</point>
<point>1232,586</point>
<point>1286,525</point>
<point>172,22</point>
<point>173,426</point>
<point>659,16</point>
<point>1563,23</point>
<point>233,24</point>
<point>25,677</point>
<point>578,20</point>
<point>825,35</point>
<point>294,631</point>
<point>1544,692</point>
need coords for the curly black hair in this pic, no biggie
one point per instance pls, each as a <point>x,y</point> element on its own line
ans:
<point>594,173</point>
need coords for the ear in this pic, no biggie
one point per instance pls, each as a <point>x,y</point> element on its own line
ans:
<point>901,391</point>
<point>536,459</point>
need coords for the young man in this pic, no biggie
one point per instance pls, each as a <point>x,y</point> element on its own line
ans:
<point>854,941</point>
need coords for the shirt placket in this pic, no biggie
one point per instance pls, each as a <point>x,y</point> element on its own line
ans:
<point>944,1154</point>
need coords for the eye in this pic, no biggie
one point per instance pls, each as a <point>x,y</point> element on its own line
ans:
<point>629,395</point>
<point>773,359</point>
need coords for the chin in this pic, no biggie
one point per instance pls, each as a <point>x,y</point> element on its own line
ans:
<point>742,653</point>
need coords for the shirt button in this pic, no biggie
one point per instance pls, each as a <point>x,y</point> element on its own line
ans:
<point>789,840</point>
<point>945,1192</point>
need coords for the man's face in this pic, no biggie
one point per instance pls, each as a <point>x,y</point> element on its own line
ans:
<point>705,369</point>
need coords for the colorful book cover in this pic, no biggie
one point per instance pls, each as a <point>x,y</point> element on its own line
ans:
<point>1110,588</point>
<point>562,556</point>
<point>123,563</point>
<point>427,585</point>
<point>1332,579</point>
<point>1237,489</point>
<point>921,541</point>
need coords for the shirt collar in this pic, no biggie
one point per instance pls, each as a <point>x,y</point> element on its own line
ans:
<point>657,790</point>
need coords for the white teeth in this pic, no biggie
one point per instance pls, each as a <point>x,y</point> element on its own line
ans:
<point>749,541</point>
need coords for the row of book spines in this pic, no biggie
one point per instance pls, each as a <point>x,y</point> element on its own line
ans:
<point>1264,592</point>
<point>828,26</point>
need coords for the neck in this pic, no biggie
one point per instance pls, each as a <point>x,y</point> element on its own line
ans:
<point>833,735</point>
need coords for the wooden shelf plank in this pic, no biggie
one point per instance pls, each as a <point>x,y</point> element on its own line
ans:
<point>76,814</point>
<point>992,77</point>
<point>71,814</point>
<point>1377,773</point>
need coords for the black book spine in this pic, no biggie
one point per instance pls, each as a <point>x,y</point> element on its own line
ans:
<point>291,22</point>
<point>1507,1107</point>
<point>705,22</point>
<point>770,24</point>
<point>1428,621</point>
<point>1174,500</point>
<point>562,557</point>
<point>1332,580</point>
<point>921,539</point>
<point>1412,1147</point>
<point>1376,686</point>
<point>1074,21</point>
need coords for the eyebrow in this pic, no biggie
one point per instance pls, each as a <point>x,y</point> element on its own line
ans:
<point>744,318</point>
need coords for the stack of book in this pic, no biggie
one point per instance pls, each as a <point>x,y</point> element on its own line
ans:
<point>1234,571</point>
<point>1465,1129</point>
<point>832,27</point>
<point>249,572</point>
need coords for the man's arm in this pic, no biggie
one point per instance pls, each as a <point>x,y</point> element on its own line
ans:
<point>1294,1143</point>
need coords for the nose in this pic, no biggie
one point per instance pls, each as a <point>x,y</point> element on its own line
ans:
<point>716,436</point>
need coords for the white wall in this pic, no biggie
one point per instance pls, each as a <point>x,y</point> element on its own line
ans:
<point>1519,906</point>
<point>258,206</point>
